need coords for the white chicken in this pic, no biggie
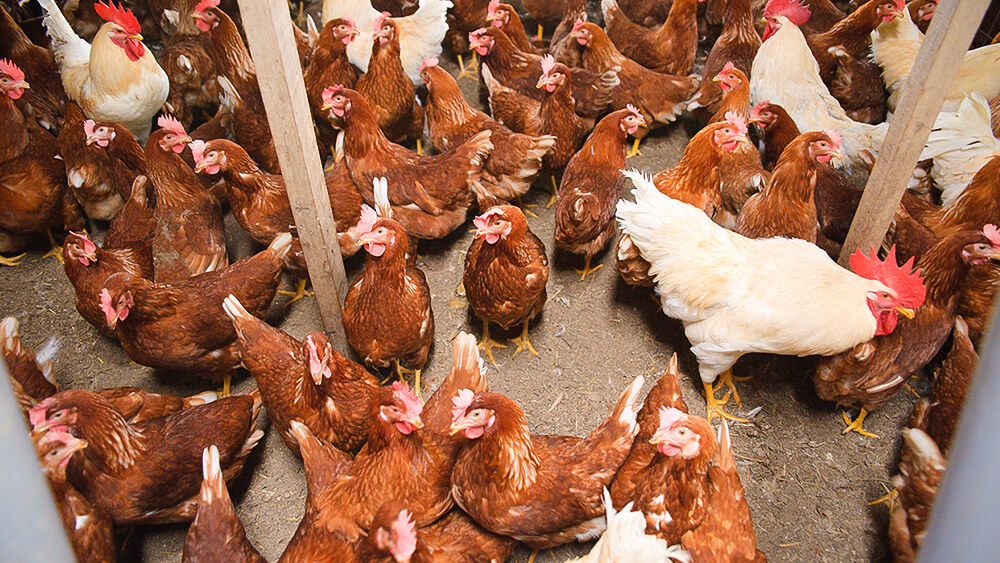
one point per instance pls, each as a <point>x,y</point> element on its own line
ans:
<point>420,34</point>
<point>895,44</point>
<point>115,78</point>
<point>785,73</point>
<point>961,143</point>
<point>737,295</point>
<point>626,541</point>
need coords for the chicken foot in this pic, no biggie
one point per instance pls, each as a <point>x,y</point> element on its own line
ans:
<point>634,151</point>
<point>227,382</point>
<point>855,425</point>
<point>524,207</point>
<point>299,293</point>
<point>487,344</point>
<point>587,270</point>
<point>469,71</point>
<point>12,261</point>
<point>890,497</point>
<point>729,380</point>
<point>523,342</point>
<point>713,406</point>
<point>400,370</point>
<point>555,193</point>
<point>56,249</point>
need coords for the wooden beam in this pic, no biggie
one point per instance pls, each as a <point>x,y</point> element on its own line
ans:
<point>268,27</point>
<point>941,54</point>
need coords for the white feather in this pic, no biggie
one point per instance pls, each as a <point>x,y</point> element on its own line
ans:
<point>961,142</point>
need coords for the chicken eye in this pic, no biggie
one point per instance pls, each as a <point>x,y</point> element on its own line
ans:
<point>477,414</point>
<point>395,410</point>
<point>681,432</point>
<point>58,415</point>
<point>885,295</point>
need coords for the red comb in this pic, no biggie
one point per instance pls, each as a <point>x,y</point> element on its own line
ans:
<point>405,395</point>
<point>483,220</point>
<point>729,66</point>
<point>633,110</point>
<point>197,150</point>
<point>88,127</point>
<point>429,61</point>
<point>796,13</point>
<point>10,69</point>
<point>670,416</point>
<point>367,221</point>
<point>578,25</point>
<point>88,245</point>
<point>330,91</point>
<point>377,24</point>
<point>737,121</point>
<point>170,123</point>
<point>37,413</point>
<point>119,15</point>
<point>494,4</point>
<point>993,233</point>
<point>406,535</point>
<point>755,112</point>
<point>206,5</point>
<point>908,285</point>
<point>548,63</point>
<point>834,138</point>
<point>460,402</point>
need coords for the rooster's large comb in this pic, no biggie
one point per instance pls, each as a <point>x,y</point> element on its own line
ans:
<point>834,138</point>
<point>737,121</point>
<point>670,416</point>
<point>794,10</point>
<point>993,233</point>
<point>119,15</point>
<point>410,401</point>
<point>10,69</point>
<point>428,62</point>
<point>406,536</point>
<point>171,124</point>
<point>206,5</point>
<point>460,402</point>
<point>548,63</point>
<point>907,284</point>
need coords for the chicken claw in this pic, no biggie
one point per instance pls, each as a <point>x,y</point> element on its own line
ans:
<point>713,407</point>
<point>56,249</point>
<point>524,207</point>
<point>890,498</point>
<point>727,379</point>
<point>299,293</point>
<point>227,382</point>
<point>467,71</point>
<point>555,193</point>
<point>587,270</point>
<point>13,261</point>
<point>634,151</point>
<point>400,370</point>
<point>855,425</point>
<point>523,342</point>
<point>487,344</point>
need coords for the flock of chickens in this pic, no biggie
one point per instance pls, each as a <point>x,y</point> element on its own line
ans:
<point>736,241</point>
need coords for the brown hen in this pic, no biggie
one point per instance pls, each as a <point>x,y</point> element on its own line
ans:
<point>669,49</point>
<point>388,90</point>
<point>31,377</point>
<point>737,44</point>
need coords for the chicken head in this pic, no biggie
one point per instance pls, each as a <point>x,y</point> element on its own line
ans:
<point>553,75</point>
<point>729,77</point>
<point>777,12</point>
<point>498,222</point>
<point>176,138</point>
<point>205,17</point>
<point>890,10</point>
<point>496,14</point>
<point>344,29</point>
<point>632,120</point>
<point>468,418</point>
<point>78,246</point>
<point>56,447</point>
<point>824,146</point>
<point>116,299</point>
<point>384,28</point>
<point>402,409</point>
<point>480,41</point>
<point>394,531</point>
<point>12,79</point>
<point>101,135</point>
<point>207,158</point>
<point>731,133</point>
<point>682,434</point>
<point>122,29</point>
<point>335,100</point>
<point>47,415</point>
<point>902,291</point>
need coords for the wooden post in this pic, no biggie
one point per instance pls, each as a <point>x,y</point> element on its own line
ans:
<point>268,27</point>
<point>933,72</point>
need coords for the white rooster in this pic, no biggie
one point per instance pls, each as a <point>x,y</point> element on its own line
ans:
<point>785,73</point>
<point>116,78</point>
<point>420,34</point>
<point>737,295</point>
<point>626,541</point>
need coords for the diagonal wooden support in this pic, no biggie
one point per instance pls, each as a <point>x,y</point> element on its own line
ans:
<point>268,26</point>
<point>937,64</point>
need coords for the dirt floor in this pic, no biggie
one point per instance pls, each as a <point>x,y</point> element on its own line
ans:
<point>807,484</point>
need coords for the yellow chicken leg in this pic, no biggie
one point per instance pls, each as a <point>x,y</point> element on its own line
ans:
<point>400,370</point>
<point>555,194</point>
<point>540,30</point>
<point>523,342</point>
<point>56,249</point>
<point>890,498</point>
<point>420,147</point>
<point>524,207</point>
<point>299,293</point>
<point>713,406</point>
<point>587,270</point>
<point>855,425</point>
<point>635,149</point>
<point>470,70</point>
<point>227,382</point>
<point>12,261</point>
<point>727,379</point>
<point>487,344</point>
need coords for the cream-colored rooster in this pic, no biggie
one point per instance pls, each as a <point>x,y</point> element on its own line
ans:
<point>737,295</point>
<point>115,78</point>
<point>420,34</point>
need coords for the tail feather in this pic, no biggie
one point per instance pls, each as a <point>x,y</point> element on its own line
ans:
<point>67,47</point>
<point>213,487</point>
<point>724,457</point>
<point>202,398</point>
<point>625,410</point>
<point>468,371</point>
<point>961,142</point>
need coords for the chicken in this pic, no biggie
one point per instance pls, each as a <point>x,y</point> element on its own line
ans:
<point>420,34</point>
<point>88,528</point>
<point>136,405</point>
<point>190,237</point>
<point>515,160</point>
<point>192,74</point>
<point>873,371</point>
<point>181,326</point>
<point>660,97</point>
<point>977,297</point>
<point>541,490</point>
<point>669,49</point>
<point>135,226</point>
<point>505,18</point>
<point>777,130</point>
<point>216,534</point>
<point>786,206</point>
<point>852,34</point>
<point>562,46</point>
<point>464,17</point>
<point>409,455</point>
<point>857,85</point>
<point>726,533</point>
<point>454,538</point>
<point>100,176</point>
<point>784,72</point>
<point>387,311</point>
<point>325,534</point>
<point>308,381</point>
<point>939,413</point>
<point>430,194</point>
<point>552,115</point>
<point>589,92</point>
<point>148,472</point>
<point>921,12</point>
<point>33,196</point>
<point>45,99</point>
<point>114,78</point>
<point>31,376</point>
<point>895,44</point>
<point>88,266</point>
<point>506,270</point>
<point>921,468</point>
<point>737,44</point>
<point>387,88</point>
<point>626,540</point>
<point>740,177</point>
<point>735,93</point>
<point>328,65</point>
<point>694,180</point>
<point>702,272</point>
<point>591,186</point>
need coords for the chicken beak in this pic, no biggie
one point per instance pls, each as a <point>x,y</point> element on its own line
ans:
<point>185,139</point>
<point>745,141</point>
<point>836,154</point>
<point>22,84</point>
<point>717,78</point>
<point>455,428</point>
<point>364,239</point>
<point>137,37</point>
<point>77,446</point>
<point>908,313</point>
<point>201,165</point>
<point>415,422</point>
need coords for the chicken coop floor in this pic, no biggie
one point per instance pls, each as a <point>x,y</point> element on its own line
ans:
<point>807,484</point>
